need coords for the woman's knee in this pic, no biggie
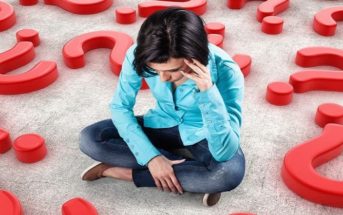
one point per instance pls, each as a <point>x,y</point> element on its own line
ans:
<point>229,174</point>
<point>86,139</point>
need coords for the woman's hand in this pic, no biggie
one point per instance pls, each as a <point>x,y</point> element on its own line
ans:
<point>162,171</point>
<point>199,74</point>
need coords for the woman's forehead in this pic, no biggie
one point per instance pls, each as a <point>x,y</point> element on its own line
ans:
<point>171,64</point>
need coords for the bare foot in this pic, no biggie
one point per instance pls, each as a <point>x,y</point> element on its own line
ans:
<point>119,173</point>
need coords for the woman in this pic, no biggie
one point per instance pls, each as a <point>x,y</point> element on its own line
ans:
<point>198,91</point>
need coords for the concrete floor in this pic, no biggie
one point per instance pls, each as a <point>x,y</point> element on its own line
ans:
<point>80,97</point>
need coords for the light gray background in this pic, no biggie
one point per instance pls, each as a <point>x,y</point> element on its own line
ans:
<point>81,97</point>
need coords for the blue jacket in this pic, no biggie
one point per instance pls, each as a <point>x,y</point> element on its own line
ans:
<point>214,114</point>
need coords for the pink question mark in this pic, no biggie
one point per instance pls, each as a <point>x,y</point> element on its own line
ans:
<point>145,9</point>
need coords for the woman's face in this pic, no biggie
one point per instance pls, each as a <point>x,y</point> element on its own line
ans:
<point>170,71</point>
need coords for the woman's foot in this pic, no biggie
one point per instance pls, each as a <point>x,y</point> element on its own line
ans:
<point>119,173</point>
<point>94,171</point>
<point>211,199</point>
<point>100,170</point>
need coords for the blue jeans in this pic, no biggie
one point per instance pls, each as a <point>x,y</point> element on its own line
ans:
<point>200,174</point>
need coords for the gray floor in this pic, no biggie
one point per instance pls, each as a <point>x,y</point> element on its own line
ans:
<point>80,97</point>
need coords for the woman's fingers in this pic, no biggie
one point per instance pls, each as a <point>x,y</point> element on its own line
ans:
<point>191,76</point>
<point>170,184</point>
<point>202,67</point>
<point>195,68</point>
<point>164,185</point>
<point>176,183</point>
<point>158,184</point>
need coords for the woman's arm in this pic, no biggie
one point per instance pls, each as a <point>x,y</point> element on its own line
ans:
<point>220,107</point>
<point>123,117</point>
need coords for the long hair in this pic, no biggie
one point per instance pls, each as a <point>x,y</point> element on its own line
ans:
<point>173,32</point>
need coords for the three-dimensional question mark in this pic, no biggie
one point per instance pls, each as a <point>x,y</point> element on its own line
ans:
<point>267,8</point>
<point>74,50</point>
<point>298,170</point>
<point>75,6</point>
<point>216,33</point>
<point>78,206</point>
<point>7,16</point>
<point>41,75</point>
<point>266,13</point>
<point>10,205</point>
<point>324,22</point>
<point>281,93</point>
<point>145,9</point>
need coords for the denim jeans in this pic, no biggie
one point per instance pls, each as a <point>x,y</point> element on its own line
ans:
<point>199,174</point>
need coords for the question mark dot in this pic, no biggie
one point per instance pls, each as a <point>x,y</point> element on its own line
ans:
<point>272,25</point>
<point>125,15</point>
<point>329,113</point>
<point>279,93</point>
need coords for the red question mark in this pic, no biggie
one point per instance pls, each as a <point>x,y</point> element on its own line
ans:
<point>10,205</point>
<point>5,141</point>
<point>216,34</point>
<point>324,21</point>
<point>280,93</point>
<point>329,113</point>
<point>298,170</point>
<point>75,50</point>
<point>145,9</point>
<point>266,13</point>
<point>78,206</point>
<point>267,8</point>
<point>75,6</point>
<point>7,16</point>
<point>41,75</point>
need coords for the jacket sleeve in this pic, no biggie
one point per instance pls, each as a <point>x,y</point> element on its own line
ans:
<point>221,111</point>
<point>123,118</point>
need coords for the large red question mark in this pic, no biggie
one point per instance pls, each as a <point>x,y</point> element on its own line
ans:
<point>74,51</point>
<point>298,170</point>
<point>75,6</point>
<point>145,9</point>
<point>324,21</point>
<point>41,75</point>
<point>7,16</point>
<point>280,93</point>
<point>9,204</point>
<point>78,206</point>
